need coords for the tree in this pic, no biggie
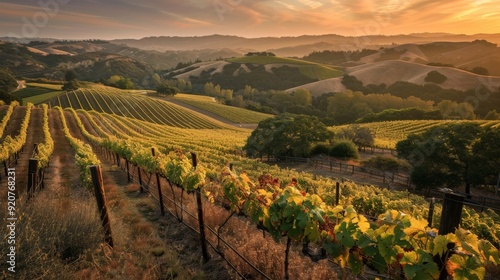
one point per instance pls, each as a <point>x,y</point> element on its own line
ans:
<point>7,84</point>
<point>361,136</point>
<point>120,82</point>
<point>345,150</point>
<point>302,97</point>
<point>70,75</point>
<point>452,155</point>
<point>287,135</point>
<point>480,71</point>
<point>71,85</point>
<point>167,89</point>
<point>435,77</point>
<point>492,115</point>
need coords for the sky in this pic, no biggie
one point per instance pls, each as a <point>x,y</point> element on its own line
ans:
<point>114,19</point>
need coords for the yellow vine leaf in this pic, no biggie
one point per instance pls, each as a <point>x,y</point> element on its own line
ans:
<point>417,225</point>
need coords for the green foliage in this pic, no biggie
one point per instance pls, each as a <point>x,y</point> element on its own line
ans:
<point>452,155</point>
<point>167,89</point>
<point>345,150</point>
<point>71,85</point>
<point>260,76</point>
<point>347,107</point>
<point>286,135</point>
<point>69,76</point>
<point>361,136</point>
<point>435,77</point>
<point>385,163</point>
<point>412,113</point>
<point>120,82</point>
<point>7,84</point>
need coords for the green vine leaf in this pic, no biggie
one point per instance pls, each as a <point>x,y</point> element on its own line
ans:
<point>419,265</point>
<point>466,268</point>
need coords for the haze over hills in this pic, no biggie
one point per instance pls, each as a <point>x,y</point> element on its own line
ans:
<point>295,46</point>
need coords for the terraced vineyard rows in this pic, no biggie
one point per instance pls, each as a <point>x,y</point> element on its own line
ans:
<point>387,134</point>
<point>234,114</point>
<point>134,106</point>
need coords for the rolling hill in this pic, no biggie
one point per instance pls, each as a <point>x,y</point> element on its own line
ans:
<point>391,71</point>
<point>261,72</point>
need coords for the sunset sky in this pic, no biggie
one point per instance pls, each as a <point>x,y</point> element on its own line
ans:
<point>110,19</point>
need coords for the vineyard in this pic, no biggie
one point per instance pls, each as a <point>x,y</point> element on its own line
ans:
<point>132,105</point>
<point>234,114</point>
<point>388,133</point>
<point>268,212</point>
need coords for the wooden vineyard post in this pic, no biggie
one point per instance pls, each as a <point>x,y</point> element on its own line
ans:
<point>32,176</point>
<point>128,172</point>
<point>204,250</point>
<point>140,179</point>
<point>450,219</point>
<point>117,160</point>
<point>337,193</point>
<point>95,172</point>
<point>451,214</point>
<point>287,252</point>
<point>160,195</point>
<point>431,212</point>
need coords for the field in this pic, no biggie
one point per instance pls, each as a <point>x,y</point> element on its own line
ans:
<point>276,213</point>
<point>387,134</point>
<point>133,105</point>
<point>234,114</point>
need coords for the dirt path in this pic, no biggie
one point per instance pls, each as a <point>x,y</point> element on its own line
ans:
<point>62,171</point>
<point>15,121</point>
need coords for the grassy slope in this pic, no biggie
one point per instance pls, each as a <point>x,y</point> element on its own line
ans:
<point>38,93</point>
<point>234,114</point>
<point>310,69</point>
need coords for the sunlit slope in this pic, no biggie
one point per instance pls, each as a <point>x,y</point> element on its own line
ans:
<point>310,69</point>
<point>387,134</point>
<point>134,105</point>
<point>234,114</point>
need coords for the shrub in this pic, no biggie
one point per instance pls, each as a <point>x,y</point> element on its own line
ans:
<point>435,77</point>
<point>320,149</point>
<point>345,150</point>
<point>385,163</point>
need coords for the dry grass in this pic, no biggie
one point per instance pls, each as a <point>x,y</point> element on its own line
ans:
<point>52,234</point>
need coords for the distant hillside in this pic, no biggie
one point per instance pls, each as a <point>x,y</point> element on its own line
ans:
<point>462,55</point>
<point>261,72</point>
<point>294,46</point>
<point>93,65</point>
<point>391,71</point>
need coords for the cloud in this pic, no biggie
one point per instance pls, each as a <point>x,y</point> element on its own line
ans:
<point>256,18</point>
